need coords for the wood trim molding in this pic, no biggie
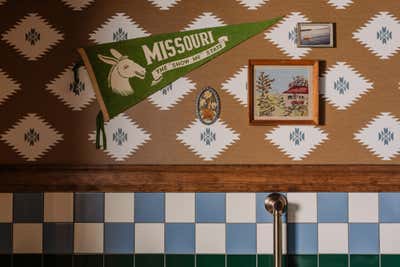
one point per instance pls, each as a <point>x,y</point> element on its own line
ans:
<point>199,178</point>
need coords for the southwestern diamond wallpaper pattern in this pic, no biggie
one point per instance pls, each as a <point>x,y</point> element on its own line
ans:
<point>46,120</point>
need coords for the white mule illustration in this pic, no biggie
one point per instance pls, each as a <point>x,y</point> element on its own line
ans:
<point>122,69</point>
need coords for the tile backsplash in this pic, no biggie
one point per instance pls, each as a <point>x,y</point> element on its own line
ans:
<point>197,229</point>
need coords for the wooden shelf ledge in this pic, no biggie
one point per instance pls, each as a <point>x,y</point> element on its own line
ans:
<point>199,178</point>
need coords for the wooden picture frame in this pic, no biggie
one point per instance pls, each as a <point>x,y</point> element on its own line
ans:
<point>314,35</point>
<point>284,92</point>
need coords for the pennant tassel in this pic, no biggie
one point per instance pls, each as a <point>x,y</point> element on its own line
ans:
<point>75,69</point>
<point>100,130</point>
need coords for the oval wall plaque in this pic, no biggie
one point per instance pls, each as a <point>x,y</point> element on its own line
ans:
<point>208,106</point>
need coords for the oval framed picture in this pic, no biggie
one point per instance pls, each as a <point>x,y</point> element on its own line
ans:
<point>208,105</point>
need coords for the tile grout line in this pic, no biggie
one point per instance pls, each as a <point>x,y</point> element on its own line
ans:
<point>104,227</point>
<point>42,256</point>
<point>316,213</point>
<point>348,230</point>
<point>165,230</point>
<point>379,230</point>
<point>226,229</point>
<point>195,227</point>
<point>255,219</point>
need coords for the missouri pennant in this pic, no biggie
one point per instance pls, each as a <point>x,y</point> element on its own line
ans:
<point>124,73</point>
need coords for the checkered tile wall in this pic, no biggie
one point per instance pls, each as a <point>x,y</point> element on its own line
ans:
<point>197,229</point>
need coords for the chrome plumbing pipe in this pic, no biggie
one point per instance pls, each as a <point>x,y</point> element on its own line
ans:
<point>276,204</point>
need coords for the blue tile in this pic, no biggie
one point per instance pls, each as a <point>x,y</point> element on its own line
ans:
<point>28,207</point>
<point>89,207</point>
<point>5,238</point>
<point>210,207</point>
<point>149,207</point>
<point>241,238</point>
<point>390,207</point>
<point>58,238</point>
<point>302,238</point>
<point>364,238</point>
<point>333,207</point>
<point>119,238</point>
<point>263,216</point>
<point>179,238</point>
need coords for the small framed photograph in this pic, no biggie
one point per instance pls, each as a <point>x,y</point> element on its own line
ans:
<point>316,35</point>
<point>283,92</point>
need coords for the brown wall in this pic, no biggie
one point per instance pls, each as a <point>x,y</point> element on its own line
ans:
<point>33,77</point>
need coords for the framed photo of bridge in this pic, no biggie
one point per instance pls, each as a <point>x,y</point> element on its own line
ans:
<point>316,35</point>
<point>283,92</point>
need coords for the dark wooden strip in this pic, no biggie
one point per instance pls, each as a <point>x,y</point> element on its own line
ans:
<point>198,178</point>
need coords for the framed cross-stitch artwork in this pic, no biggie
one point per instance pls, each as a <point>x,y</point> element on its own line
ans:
<point>283,92</point>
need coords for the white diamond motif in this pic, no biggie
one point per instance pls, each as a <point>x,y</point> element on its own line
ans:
<point>340,4</point>
<point>117,28</point>
<point>75,98</point>
<point>170,95</point>
<point>342,85</point>
<point>8,86</point>
<point>32,36</point>
<point>381,35</point>
<point>284,35</point>
<point>207,141</point>
<point>164,4</point>
<point>78,5</point>
<point>205,20</point>
<point>252,4</point>
<point>381,136</point>
<point>32,137</point>
<point>296,142</point>
<point>237,86</point>
<point>124,137</point>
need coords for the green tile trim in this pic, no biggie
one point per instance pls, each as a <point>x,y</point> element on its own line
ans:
<point>241,261</point>
<point>333,260</point>
<point>303,260</point>
<point>390,260</point>
<point>177,260</point>
<point>118,261</point>
<point>149,260</point>
<point>57,260</point>
<point>364,260</point>
<point>88,260</point>
<point>210,260</point>
<point>24,260</point>
<point>267,260</point>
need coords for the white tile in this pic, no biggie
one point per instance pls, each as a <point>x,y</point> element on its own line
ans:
<point>88,238</point>
<point>27,238</point>
<point>333,238</point>
<point>6,200</point>
<point>363,207</point>
<point>210,238</point>
<point>149,238</point>
<point>302,207</point>
<point>119,207</point>
<point>390,238</point>
<point>58,207</point>
<point>240,207</point>
<point>179,207</point>
<point>265,238</point>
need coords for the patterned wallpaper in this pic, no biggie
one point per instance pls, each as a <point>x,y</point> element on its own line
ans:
<point>46,120</point>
